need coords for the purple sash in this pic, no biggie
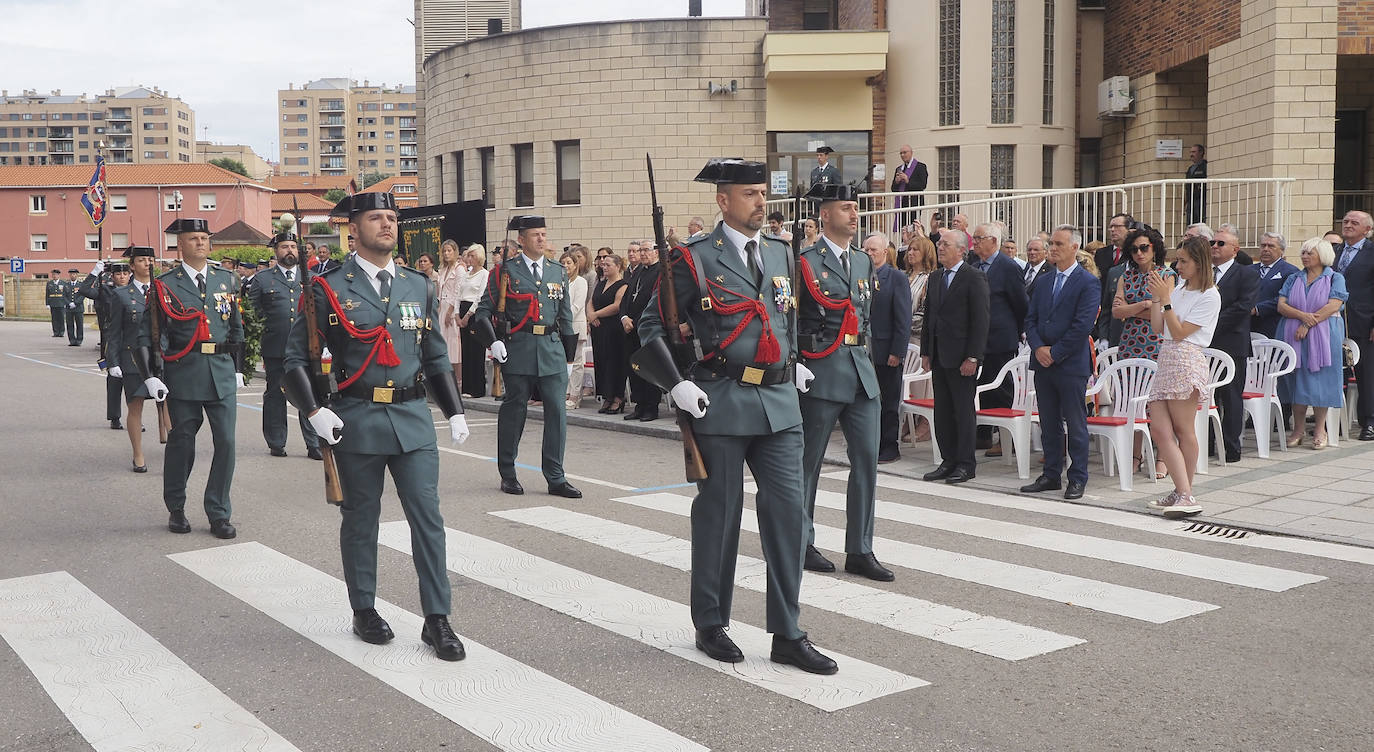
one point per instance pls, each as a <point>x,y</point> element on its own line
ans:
<point>1314,351</point>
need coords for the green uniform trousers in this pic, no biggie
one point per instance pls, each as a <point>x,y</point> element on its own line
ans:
<point>274,409</point>
<point>716,511</point>
<point>510,423</point>
<point>416,476</point>
<point>180,455</point>
<point>859,422</point>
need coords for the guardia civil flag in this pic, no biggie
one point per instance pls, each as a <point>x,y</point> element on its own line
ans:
<point>93,200</point>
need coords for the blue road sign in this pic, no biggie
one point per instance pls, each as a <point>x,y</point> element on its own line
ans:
<point>16,266</point>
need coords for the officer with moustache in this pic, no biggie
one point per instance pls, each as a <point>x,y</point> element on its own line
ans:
<point>733,286</point>
<point>276,293</point>
<point>377,318</point>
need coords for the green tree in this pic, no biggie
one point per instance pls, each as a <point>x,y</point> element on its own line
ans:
<point>232,165</point>
<point>373,178</point>
<point>335,195</point>
<point>321,228</point>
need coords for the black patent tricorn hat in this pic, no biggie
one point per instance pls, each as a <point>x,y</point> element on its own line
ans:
<point>732,171</point>
<point>525,222</point>
<point>188,225</point>
<point>361,202</point>
<point>833,192</point>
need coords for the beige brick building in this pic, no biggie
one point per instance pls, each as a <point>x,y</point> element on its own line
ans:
<point>138,125</point>
<point>333,126</point>
<point>258,168</point>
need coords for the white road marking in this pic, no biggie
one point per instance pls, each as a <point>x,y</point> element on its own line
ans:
<point>952,626</point>
<point>657,622</point>
<point>119,686</point>
<point>1125,601</point>
<point>570,476</point>
<point>500,700</point>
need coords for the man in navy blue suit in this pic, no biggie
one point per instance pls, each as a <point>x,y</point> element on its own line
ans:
<point>1006,320</point>
<point>1239,288</point>
<point>1355,260</point>
<point>1062,314</point>
<point>1273,271</point>
<point>890,318</point>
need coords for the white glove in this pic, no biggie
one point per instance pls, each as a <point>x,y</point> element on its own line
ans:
<point>498,351</point>
<point>156,388</point>
<point>98,268</point>
<point>803,378</point>
<point>688,396</point>
<point>116,372</point>
<point>458,428</point>
<point>72,306</point>
<point>325,423</point>
<point>239,382</point>
<point>325,354</point>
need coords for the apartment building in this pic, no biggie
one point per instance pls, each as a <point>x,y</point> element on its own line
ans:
<point>258,168</point>
<point>138,125</point>
<point>333,126</point>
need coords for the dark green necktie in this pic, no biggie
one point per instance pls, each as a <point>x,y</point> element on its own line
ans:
<point>384,277</point>
<point>754,270</point>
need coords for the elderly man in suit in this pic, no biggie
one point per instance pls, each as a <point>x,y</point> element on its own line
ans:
<point>1273,270</point>
<point>1062,314</point>
<point>1036,265</point>
<point>952,347</point>
<point>911,176</point>
<point>1239,288</point>
<point>1007,303</point>
<point>1355,260</point>
<point>1106,258</point>
<point>890,318</point>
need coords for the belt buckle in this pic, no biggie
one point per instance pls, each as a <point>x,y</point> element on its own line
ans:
<point>538,330</point>
<point>383,394</point>
<point>706,303</point>
<point>752,375</point>
<point>207,348</point>
<point>851,339</point>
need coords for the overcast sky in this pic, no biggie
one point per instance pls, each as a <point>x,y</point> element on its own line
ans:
<point>227,60</point>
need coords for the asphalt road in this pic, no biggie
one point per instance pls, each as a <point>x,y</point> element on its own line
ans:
<point>1010,627</point>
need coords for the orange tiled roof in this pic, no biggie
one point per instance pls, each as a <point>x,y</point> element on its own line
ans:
<point>410,198</point>
<point>311,183</point>
<point>282,202</point>
<point>75,176</point>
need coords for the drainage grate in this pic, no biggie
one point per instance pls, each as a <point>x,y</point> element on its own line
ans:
<point>1221,531</point>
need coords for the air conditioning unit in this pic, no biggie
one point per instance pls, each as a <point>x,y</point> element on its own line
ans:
<point>1114,97</point>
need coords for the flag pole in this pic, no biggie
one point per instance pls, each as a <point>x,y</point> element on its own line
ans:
<point>100,228</point>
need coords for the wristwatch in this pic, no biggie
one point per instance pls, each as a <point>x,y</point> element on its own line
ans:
<point>1168,307</point>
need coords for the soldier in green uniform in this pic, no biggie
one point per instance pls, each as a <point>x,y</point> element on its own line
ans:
<point>55,293</point>
<point>536,349</point>
<point>124,336</point>
<point>833,314</point>
<point>201,338</point>
<point>100,286</point>
<point>276,293</point>
<point>733,286</point>
<point>75,306</point>
<point>378,320</point>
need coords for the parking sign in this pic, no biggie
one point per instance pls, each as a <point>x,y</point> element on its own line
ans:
<point>16,266</point>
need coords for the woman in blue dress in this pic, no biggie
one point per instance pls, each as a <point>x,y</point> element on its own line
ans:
<point>1311,303</point>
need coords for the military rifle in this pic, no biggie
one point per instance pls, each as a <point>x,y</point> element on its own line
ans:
<point>154,313</point>
<point>499,323</point>
<point>319,376</point>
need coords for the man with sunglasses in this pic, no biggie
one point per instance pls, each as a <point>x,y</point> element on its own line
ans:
<point>1239,288</point>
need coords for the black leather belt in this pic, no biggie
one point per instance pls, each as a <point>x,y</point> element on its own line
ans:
<point>386,394</point>
<point>538,330</point>
<point>217,348</point>
<point>747,375</point>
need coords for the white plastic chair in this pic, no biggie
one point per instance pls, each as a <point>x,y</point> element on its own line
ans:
<point>1129,379</point>
<point>1273,359</point>
<point>1221,368</point>
<point>1015,420</point>
<point>915,400</point>
<point>1104,398</point>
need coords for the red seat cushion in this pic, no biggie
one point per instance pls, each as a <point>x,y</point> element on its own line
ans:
<point>1002,412</point>
<point>921,402</point>
<point>1111,420</point>
<point>1252,395</point>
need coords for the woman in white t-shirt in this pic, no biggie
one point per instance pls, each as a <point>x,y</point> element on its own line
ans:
<point>1184,317</point>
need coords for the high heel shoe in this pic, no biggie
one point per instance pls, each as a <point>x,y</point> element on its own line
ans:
<point>1161,475</point>
<point>1319,442</point>
<point>1295,441</point>
<point>140,468</point>
<point>618,409</point>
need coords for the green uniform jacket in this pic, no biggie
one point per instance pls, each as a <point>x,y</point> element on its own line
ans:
<point>71,293</point>
<point>125,331</point>
<point>840,374</point>
<point>197,376</point>
<point>56,293</point>
<point>277,300</point>
<point>409,317</point>
<point>530,354</point>
<point>736,409</point>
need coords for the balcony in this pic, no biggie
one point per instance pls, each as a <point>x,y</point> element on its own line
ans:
<point>331,105</point>
<point>120,114</point>
<point>337,135</point>
<point>60,134</point>
<point>407,137</point>
<point>124,131</point>
<point>801,68</point>
<point>61,149</point>
<point>333,150</point>
<point>120,144</point>
<point>63,160</point>
<point>332,120</point>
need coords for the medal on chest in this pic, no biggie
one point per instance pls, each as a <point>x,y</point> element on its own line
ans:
<point>555,290</point>
<point>412,319</point>
<point>863,289</point>
<point>782,293</point>
<point>224,304</point>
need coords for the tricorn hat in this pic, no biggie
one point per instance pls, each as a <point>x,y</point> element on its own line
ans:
<point>139,250</point>
<point>365,201</point>
<point>188,225</point>
<point>833,192</point>
<point>283,237</point>
<point>824,150</point>
<point>525,222</point>
<point>117,266</point>
<point>732,171</point>
<point>248,265</point>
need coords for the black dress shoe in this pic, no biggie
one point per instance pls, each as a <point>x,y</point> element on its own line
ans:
<point>115,425</point>
<point>889,456</point>
<point>277,451</point>
<point>605,408</point>
<point>566,490</point>
<point>140,468</point>
<point>1367,433</point>
<point>369,625</point>
<point>816,562</point>
<point>939,473</point>
<point>868,566</point>
<point>960,476</point>
<point>511,486</point>
<point>802,654</point>
<point>648,415</point>
<point>634,414</point>
<point>440,636</point>
<point>1043,483</point>
<point>1232,459</point>
<point>223,529</point>
<point>314,453</point>
<point>1075,489</point>
<point>177,522</point>
<point>714,642</point>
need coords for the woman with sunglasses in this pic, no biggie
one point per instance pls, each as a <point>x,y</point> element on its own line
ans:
<point>1131,304</point>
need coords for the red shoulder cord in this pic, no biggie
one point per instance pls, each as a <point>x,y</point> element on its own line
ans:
<point>529,298</point>
<point>180,313</point>
<point>768,351</point>
<point>850,324</point>
<point>378,336</point>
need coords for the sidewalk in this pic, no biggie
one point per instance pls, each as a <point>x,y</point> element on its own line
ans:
<point>1326,494</point>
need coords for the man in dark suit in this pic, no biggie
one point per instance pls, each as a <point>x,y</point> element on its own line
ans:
<point>638,290</point>
<point>1195,194</point>
<point>911,176</point>
<point>1105,258</point>
<point>1062,313</point>
<point>824,172</point>
<point>952,346</point>
<point>1239,288</point>
<point>1007,303</point>
<point>322,262</point>
<point>1355,260</point>
<point>890,318</point>
<point>1036,265</point>
<point>1273,271</point>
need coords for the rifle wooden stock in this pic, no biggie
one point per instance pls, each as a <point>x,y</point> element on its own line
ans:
<point>153,310</point>
<point>498,325</point>
<point>164,422</point>
<point>319,381</point>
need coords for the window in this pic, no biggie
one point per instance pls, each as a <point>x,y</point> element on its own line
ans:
<point>119,202</point>
<point>38,242</point>
<point>154,110</point>
<point>390,148</point>
<point>524,174</point>
<point>1003,61</point>
<point>92,241</point>
<point>948,157</point>
<point>121,240</point>
<point>207,202</point>
<point>38,204</point>
<point>457,176</point>
<point>949,62</point>
<point>391,163</point>
<point>389,106</point>
<point>390,134</point>
<point>1002,171</point>
<point>390,120</point>
<point>1047,106</point>
<point>487,156</point>
<point>569,157</point>
<point>819,15</point>
<point>1047,167</point>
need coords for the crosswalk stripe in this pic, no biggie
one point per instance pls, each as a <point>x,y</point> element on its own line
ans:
<point>952,626</point>
<point>115,682</point>
<point>500,700</point>
<point>1123,519</point>
<point>654,621</point>
<point>1121,600</point>
<point>1121,552</point>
